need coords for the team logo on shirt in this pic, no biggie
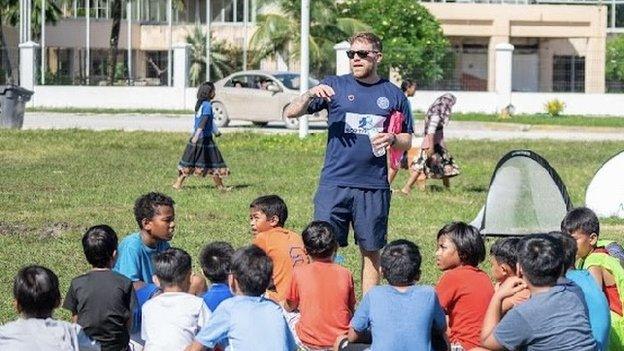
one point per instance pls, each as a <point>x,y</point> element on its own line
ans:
<point>356,123</point>
<point>383,102</point>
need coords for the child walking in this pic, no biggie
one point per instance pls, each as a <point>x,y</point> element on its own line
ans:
<point>464,290</point>
<point>434,161</point>
<point>201,156</point>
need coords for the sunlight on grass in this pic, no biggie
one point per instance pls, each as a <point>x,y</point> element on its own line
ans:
<point>54,184</point>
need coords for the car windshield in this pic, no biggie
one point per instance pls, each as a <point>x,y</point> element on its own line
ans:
<point>291,80</point>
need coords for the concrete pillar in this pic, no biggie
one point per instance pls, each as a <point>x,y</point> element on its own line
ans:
<point>342,61</point>
<point>504,55</point>
<point>491,60</point>
<point>27,64</point>
<point>595,65</point>
<point>180,65</point>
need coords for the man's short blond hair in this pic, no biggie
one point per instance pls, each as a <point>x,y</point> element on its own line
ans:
<point>368,37</point>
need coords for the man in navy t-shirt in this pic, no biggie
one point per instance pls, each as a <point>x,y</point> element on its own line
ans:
<point>353,189</point>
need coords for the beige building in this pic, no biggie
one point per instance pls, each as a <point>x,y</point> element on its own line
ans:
<point>557,47</point>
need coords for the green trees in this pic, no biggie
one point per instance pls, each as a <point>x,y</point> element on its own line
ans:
<point>278,34</point>
<point>615,59</point>
<point>224,57</point>
<point>413,41</point>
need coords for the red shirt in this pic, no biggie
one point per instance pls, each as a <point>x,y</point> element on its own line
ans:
<point>286,250</point>
<point>465,293</point>
<point>326,299</point>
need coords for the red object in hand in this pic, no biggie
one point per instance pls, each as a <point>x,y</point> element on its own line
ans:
<point>396,127</point>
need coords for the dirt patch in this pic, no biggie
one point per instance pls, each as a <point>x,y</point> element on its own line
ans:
<point>13,228</point>
<point>55,230</point>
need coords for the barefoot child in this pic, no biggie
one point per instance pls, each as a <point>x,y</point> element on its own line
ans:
<point>434,161</point>
<point>201,156</point>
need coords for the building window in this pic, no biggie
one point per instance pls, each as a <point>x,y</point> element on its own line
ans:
<point>569,74</point>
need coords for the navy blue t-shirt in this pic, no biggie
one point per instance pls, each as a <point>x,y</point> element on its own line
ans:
<point>355,109</point>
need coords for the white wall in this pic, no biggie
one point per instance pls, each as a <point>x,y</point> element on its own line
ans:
<point>169,98</point>
<point>575,103</point>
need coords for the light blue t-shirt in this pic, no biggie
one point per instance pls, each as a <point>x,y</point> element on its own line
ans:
<point>354,110</point>
<point>552,320</point>
<point>247,323</point>
<point>134,258</point>
<point>597,305</point>
<point>400,320</point>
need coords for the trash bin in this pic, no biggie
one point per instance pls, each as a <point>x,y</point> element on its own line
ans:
<point>13,99</point>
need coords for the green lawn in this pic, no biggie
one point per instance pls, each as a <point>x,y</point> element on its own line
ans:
<point>54,184</point>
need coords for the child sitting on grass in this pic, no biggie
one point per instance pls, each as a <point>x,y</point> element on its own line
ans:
<point>36,293</point>
<point>215,263</point>
<point>247,321</point>
<point>268,214</point>
<point>464,290</point>
<point>553,318</point>
<point>596,301</point>
<point>102,301</point>
<point>172,319</point>
<point>402,315</point>
<point>503,259</point>
<point>322,291</point>
<point>593,255</point>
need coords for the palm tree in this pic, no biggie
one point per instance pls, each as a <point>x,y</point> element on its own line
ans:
<point>278,34</point>
<point>224,58</point>
<point>9,13</point>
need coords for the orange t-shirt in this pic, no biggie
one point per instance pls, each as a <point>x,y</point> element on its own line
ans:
<point>465,293</point>
<point>326,299</point>
<point>286,250</point>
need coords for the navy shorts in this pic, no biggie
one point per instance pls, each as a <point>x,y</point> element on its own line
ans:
<point>366,210</point>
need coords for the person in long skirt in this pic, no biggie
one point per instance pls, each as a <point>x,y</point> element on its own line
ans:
<point>434,160</point>
<point>202,156</point>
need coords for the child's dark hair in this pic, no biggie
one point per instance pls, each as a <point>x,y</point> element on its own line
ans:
<point>99,244</point>
<point>400,262</point>
<point>505,250</point>
<point>406,84</point>
<point>467,239</point>
<point>146,206</point>
<point>172,266</point>
<point>541,258</point>
<point>204,93</point>
<point>271,205</point>
<point>319,239</point>
<point>36,290</point>
<point>580,218</point>
<point>215,261</point>
<point>569,249</point>
<point>252,269</point>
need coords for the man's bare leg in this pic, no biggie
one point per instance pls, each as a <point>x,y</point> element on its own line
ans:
<point>392,174</point>
<point>446,182</point>
<point>370,269</point>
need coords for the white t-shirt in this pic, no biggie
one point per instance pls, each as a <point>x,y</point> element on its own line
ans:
<point>171,320</point>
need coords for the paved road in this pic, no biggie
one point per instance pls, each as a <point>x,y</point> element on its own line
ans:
<point>180,123</point>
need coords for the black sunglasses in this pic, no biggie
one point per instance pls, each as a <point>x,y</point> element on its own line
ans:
<point>361,53</point>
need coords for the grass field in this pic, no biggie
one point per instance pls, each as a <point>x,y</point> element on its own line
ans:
<point>54,184</point>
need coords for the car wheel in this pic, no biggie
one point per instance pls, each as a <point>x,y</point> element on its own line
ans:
<point>259,124</point>
<point>220,114</point>
<point>291,123</point>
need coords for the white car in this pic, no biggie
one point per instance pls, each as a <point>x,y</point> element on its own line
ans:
<point>259,97</point>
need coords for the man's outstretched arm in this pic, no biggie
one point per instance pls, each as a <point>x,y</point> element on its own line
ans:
<point>299,106</point>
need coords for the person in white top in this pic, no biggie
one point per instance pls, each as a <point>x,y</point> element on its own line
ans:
<point>172,319</point>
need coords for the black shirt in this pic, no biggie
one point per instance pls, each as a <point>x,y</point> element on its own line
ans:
<point>103,300</point>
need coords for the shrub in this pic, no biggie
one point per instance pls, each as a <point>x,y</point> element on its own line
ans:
<point>554,107</point>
